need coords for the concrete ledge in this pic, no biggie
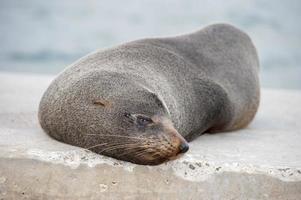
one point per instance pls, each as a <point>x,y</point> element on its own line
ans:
<point>262,161</point>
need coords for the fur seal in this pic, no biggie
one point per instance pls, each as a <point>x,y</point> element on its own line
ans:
<point>143,100</point>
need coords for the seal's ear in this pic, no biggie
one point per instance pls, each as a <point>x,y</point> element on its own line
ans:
<point>151,96</point>
<point>158,102</point>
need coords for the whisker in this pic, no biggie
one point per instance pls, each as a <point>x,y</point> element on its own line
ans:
<point>121,136</point>
<point>144,153</point>
<point>133,151</point>
<point>116,147</point>
<point>131,147</point>
<point>109,145</point>
<point>144,149</point>
<point>156,155</point>
<point>141,153</point>
<point>97,145</point>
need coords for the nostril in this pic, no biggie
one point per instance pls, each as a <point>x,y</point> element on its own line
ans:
<point>184,147</point>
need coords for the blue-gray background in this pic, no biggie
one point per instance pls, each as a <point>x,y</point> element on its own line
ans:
<point>44,36</point>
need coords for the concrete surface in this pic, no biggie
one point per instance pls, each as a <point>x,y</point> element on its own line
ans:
<point>262,161</point>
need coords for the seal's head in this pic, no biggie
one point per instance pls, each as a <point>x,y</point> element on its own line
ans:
<point>130,122</point>
<point>113,115</point>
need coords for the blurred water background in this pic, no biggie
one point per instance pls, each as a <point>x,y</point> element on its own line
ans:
<point>39,36</point>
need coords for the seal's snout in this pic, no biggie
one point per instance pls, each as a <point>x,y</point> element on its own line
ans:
<point>177,143</point>
<point>184,147</point>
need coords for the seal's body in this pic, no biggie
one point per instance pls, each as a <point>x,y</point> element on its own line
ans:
<point>138,101</point>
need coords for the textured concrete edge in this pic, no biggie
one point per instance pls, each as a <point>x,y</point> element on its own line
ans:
<point>186,167</point>
<point>34,179</point>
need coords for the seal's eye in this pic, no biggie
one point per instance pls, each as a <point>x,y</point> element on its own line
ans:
<point>138,119</point>
<point>131,118</point>
<point>128,115</point>
<point>143,120</point>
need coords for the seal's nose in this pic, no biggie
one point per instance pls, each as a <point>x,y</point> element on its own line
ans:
<point>183,147</point>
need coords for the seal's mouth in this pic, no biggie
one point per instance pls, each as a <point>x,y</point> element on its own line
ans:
<point>184,147</point>
<point>144,140</point>
<point>163,149</point>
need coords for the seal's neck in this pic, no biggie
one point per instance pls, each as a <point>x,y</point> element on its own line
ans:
<point>204,109</point>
